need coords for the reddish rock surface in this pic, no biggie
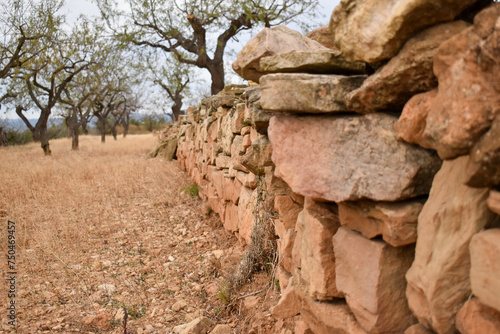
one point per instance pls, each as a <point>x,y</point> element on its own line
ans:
<point>268,42</point>
<point>408,73</point>
<point>485,267</point>
<point>477,318</point>
<point>318,223</point>
<point>482,167</point>
<point>349,158</point>
<point>371,275</point>
<point>362,36</point>
<point>288,306</point>
<point>396,222</point>
<point>468,98</point>
<point>323,36</point>
<point>438,280</point>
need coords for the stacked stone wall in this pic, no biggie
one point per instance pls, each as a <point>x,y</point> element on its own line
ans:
<point>379,151</point>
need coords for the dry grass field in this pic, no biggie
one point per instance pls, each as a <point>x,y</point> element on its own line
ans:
<point>102,230</point>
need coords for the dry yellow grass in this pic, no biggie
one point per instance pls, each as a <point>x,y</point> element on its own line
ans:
<point>66,204</point>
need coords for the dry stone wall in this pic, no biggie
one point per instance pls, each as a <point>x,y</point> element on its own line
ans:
<point>378,146</point>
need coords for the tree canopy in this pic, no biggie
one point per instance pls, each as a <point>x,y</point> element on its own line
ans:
<point>197,31</point>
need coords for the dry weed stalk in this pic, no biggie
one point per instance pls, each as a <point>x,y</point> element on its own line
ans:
<point>261,253</point>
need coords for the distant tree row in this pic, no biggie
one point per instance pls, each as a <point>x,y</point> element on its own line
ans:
<point>97,67</point>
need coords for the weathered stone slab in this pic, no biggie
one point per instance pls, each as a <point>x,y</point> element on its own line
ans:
<point>371,275</point>
<point>418,329</point>
<point>307,93</point>
<point>493,201</point>
<point>408,73</point>
<point>476,318</point>
<point>268,42</point>
<point>258,156</point>
<point>396,222</point>
<point>320,62</point>
<point>349,158</point>
<point>485,267</point>
<point>258,117</point>
<point>363,36</point>
<point>483,167</point>
<point>288,211</point>
<point>328,317</point>
<point>438,280</point>
<point>318,223</point>
<point>248,198</point>
<point>468,98</point>
<point>288,305</point>
<point>323,36</point>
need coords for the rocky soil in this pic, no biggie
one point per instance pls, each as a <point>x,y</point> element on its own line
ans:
<point>158,259</point>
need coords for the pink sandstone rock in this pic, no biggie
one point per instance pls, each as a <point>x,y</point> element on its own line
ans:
<point>371,275</point>
<point>285,249</point>
<point>438,280</point>
<point>323,36</point>
<point>231,218</point>
<point>283,277</point>
<point>395,221</point>
<point>328,317</point>
<point>276,186</point>
<point>288,305</point>
<point>468,99</point>
<point>349,158</point>
<point>318,223</point>
<point>288,211</point>
<point>494,201</point>
<point>407,74</point>
<point>418,329</point>
<point>485,267</point>
<point>301,327</point>
<point>362,36</point>
<point>268,42</point>
<point>477,318</point>
<point>245,212</point>
<point>484,159</point>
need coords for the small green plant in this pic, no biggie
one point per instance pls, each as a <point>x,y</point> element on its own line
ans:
<point>224,294</point>
<point>192,190</point>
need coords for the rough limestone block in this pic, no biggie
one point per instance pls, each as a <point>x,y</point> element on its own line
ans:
<point>318,223</point>
<point>396,222</point>
<point>485,267</point>
<point>307,93</point>
<point>438,280</point>
<point>371,275</point>
<point>268,42</point>
<point>349,158</point>
<point>408,73</point>
<point>454,117</point>
<point>477,318</point>
<point>320,62</point>
<point>362,36</point>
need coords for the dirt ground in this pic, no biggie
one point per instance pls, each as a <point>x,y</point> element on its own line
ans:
<point>103,230</point>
